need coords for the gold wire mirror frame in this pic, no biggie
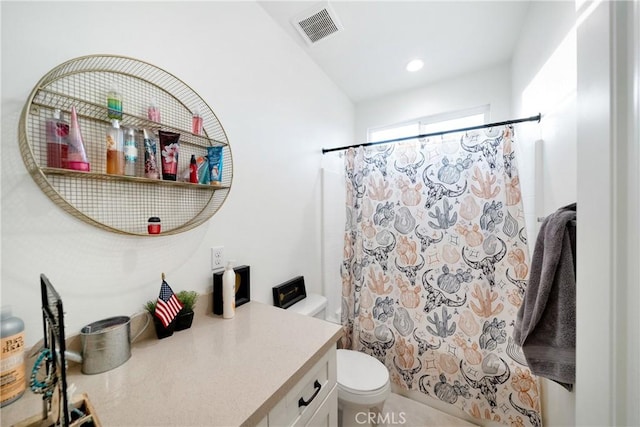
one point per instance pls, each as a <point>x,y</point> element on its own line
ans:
<point>117,203</point>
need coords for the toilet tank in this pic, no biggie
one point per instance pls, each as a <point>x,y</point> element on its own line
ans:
<point>313,305</point>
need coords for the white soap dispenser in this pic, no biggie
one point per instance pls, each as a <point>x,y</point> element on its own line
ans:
<point>229,292</point>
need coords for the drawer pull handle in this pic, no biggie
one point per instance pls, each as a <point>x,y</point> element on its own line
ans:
<point>302,402</point>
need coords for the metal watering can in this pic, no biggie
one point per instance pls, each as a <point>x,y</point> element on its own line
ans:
<point>106,344</point>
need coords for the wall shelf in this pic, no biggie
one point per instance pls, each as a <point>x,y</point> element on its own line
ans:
<point>118,203</point>
<point>133,179</point>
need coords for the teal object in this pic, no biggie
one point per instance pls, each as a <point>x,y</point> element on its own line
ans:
<point>214,156</point>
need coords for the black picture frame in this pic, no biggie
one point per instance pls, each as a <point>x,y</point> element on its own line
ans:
<point>243,288</point>
<point>289,292</point>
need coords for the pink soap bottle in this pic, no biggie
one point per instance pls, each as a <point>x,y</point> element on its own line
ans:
<point>57,141</point>
<point>153,112</point>
<point>196,123</point>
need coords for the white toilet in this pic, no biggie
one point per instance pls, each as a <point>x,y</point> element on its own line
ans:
<point>363,381</point>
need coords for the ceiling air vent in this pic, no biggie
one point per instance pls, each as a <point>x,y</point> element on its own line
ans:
<point>317,24</point>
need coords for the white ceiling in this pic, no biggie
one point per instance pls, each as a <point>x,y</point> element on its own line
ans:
<point>367,58</point>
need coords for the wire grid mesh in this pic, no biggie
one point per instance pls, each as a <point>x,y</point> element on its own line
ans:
<point>113,202</point>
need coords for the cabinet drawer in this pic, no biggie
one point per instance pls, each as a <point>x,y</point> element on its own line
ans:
<point>327,413</point>
<point>312,389</point>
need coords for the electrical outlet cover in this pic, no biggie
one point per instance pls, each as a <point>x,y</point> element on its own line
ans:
<point>217,258</point>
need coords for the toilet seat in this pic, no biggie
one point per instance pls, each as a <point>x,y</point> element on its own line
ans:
<point>360,373</point>
<point>364,394</point>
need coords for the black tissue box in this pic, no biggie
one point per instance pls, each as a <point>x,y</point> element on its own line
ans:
<point>243,285</point>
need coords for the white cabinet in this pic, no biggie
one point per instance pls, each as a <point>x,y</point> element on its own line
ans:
<point>311,401</point>
<point>327,413</point>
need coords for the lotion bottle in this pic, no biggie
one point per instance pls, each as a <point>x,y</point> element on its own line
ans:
<point>150,162</point>
<point>76,154</point>
<point>130,153</point>
<point>229,292</point>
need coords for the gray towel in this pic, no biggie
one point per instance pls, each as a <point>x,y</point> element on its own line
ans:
<point>546,322</point>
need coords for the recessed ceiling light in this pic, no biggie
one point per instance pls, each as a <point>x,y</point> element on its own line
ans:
<point>415,65</point>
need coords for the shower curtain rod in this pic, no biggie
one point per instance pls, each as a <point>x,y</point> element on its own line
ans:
<point>488,125</point>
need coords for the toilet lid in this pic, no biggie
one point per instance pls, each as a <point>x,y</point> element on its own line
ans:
<point>359,372</point>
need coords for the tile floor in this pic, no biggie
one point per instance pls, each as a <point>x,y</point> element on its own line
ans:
<point>399,411</point>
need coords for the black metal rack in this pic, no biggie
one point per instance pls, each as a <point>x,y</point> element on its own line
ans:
<point>54,342</point>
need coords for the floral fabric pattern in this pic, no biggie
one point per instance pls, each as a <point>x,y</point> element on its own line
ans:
<point>435,268</point>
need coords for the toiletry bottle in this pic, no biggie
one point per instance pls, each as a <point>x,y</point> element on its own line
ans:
<point>153,113</point>
<point>130,153</point>
<point>170,150</point>
<point>114,104</point>
<point>13,364</point>
<point>196,123</point>
<point>193,170</point>
<point>115,149</point>
<point>215,160</point>
<point>150,162</point>
<point>229,292</point>
<point>57,141</point>
<point>76,154</point>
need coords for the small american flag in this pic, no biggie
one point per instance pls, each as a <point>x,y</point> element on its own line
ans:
<point>168,305</point>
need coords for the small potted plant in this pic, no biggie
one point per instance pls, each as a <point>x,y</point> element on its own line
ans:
<point>184,319</point>
<point>161,331</point>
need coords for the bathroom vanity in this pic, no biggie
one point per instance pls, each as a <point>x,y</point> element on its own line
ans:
<point>265,367</point>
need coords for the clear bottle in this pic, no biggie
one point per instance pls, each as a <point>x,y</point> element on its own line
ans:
<point>228,292</point>
<point>114,104</point>
<point>12,360</point>
<point>196,123</point>
<point>130,153</point>
<point>153,112</point>
<point>115,149</point>
<point>57,140</point>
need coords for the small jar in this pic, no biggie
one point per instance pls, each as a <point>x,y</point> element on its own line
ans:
<point>154,225</point>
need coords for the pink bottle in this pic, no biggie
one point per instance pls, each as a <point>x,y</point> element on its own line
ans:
<point>57,141</point>
<point>153,112</point>
<point>76,156</point>
<point>196,123</point>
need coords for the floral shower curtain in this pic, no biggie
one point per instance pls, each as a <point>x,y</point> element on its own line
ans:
<point>435,268</point>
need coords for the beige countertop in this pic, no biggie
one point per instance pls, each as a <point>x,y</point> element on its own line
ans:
<point>220,372</point>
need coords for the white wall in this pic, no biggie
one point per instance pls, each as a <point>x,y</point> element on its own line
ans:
<point>609,223</point>
<point>278,109</point>
<point>488,86</point>
<point>544,80</point>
